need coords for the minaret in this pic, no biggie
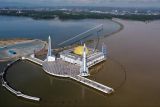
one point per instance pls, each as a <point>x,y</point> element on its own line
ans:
<point>84,69</point>
<point>49,47</point>
<point>49,54</point>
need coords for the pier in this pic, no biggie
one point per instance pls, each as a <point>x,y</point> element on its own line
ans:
<point>63,69</point>
<point>34,60</point>
<point>18,93</point>
<point>73,63</point>
<point>9,88</point>
<point>60,68</point>
<point>93,84</point>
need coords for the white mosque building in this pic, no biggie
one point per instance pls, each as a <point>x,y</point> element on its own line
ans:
<point>81,55</point>
<point>84,57</point>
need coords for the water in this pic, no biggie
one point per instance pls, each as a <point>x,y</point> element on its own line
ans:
<point>132,69</point>
<point>136,47</point>
<point>15,27</point>
<point>32,80</point>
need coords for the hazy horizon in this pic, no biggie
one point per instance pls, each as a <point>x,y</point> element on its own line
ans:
<point>50,3</point>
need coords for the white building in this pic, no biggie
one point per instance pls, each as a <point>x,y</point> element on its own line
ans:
<point>75,56</point>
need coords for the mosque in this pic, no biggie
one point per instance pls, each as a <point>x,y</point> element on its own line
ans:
<point>81,56</point>
<point>73,63</point>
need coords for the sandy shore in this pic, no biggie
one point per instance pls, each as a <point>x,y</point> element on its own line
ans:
<point>6,42</point>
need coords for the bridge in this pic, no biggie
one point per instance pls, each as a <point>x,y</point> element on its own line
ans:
<point>88,32</point>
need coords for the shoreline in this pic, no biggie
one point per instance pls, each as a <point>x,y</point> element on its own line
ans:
<point>135,47</point>
<point>121,28</point>
<point>12,41</point>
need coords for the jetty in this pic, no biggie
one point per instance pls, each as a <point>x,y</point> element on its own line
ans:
<point>72,63</point>
<point>93,84</point>
<point>9,88</point>
<point>34,60</point>
<point>60,68</point>
<point>18,93</point>
<point>64,69</point>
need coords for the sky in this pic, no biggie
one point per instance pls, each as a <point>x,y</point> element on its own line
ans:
<point>118,3</point>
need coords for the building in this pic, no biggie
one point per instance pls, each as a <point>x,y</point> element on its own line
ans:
<point>76,54</point>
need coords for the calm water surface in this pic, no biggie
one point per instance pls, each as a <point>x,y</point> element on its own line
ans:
<point>12,27</point>
<point>132,69</point>
<point>32,80</point>
<point>137,48</point>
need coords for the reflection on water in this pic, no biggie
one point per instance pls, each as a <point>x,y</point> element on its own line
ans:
<point>124,71</point>
<point>27,77</point>
<point>99,69</point>
<point>17,27</point>
<point>132,69</point>
<point>31,79</point>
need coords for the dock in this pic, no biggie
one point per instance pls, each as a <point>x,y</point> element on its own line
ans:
<point>69,64</point>
<point>64,69</point>
<point>60,68</point>
<point>34,60</point>
<point>93,84</point>
<point>9,88</point>
<point>18,93</point>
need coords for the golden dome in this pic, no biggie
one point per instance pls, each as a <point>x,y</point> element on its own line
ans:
<point>79,50</point>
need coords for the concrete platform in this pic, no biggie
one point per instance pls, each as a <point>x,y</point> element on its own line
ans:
<point>61,68</point>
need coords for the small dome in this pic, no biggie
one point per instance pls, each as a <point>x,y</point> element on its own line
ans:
<point>79,50</point>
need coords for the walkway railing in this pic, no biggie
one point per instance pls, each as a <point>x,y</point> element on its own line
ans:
<point>93,84</point>
<point>62,69</point>
<point>35,60</point>
<point>9,88</point>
